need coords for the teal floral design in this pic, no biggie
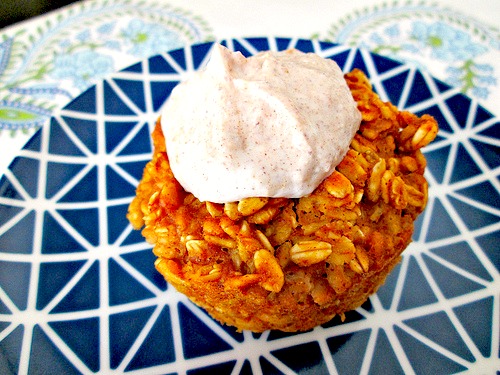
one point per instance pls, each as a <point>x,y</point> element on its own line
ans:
<point>15,115</point>
<point>147,39</point>
<point>82,67</point>
<point>446,42</point>
<point>477,78</point>
<point>389,41</point>
<point>5,48</point>
<point>441,42</point>
<point>453,47</point>
<point>46,65</point>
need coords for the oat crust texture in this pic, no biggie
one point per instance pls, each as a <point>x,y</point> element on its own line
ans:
<point>292,264</point>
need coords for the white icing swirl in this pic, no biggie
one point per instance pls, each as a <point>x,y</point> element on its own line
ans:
<point>272,125</point>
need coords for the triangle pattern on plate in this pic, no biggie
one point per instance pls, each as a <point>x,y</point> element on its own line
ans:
<point>179,55</point>
<point>267,367</point>
<point>23,228</point>
<point>135,68</point>
<point>197,338</point>
<point>472,313</point>
<point>85,221</point>
<point>158,346</point>
<point>393,86</point>
<point>342,348</point>
<point>424,359</point>
<point>143,261</point>
<point>489,153</point>
<point>158,65</point>
<point>464,166</point>
<point>117,186</point>
<point>60,143</point>
<point>134,90</point>
<point>359,63</point>
<point>58,175</point>
<point>81,336</point>
<point>461,255</point>
<point>160,91</point>
<point>459,106</point>
<point>8,213</point>
<point>442,224</point>
<point>419,90</point>
<point>437,162</point>
<point>441,86</point>
<point>117,221</point>
<point>116,131</point>
<point>305,45</point>
<point>113,103</point>
<point>246,369</point>
<point>14,281</point>
<point>85,130</point>
<point>492,131</point>
<point>283,43</point>
<point>303,357</point>
<point>56,240</point>
<point>473,215</point>
<point>84,295</point>
<point>140,144</point>
<point>225,368</point>
<point>384,356</point>
<point>53,277</point>
<point>489,246</point>
<point>46,358</point>
<point>26,171</point>
<point>34,143</point>
<point>4,310</point>
<point>124,328</point>
<point>83,191</point>
<point>481,116</point>
<point>11,351</point>
<point>69,232</point>
<point>450,283</point>
<point>416,289</point>
<point>241,48</point>
<point>85,102</point>
<point>123,287</point>
<point>439,328</point>
<point>8,190</point>
<point>340,58</point>
<point>384,64</point>
<point>260,44</point>
<point>134,168</point>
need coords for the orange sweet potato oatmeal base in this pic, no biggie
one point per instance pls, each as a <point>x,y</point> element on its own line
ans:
<point>292,264</point>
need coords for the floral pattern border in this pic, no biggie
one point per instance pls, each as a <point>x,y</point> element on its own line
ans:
<point>44,67</point>
<point>463,52</point>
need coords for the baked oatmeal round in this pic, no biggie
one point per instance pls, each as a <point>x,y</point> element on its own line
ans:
<point>292,264</point>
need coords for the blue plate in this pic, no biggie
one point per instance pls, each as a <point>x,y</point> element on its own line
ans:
<point>79,293</point>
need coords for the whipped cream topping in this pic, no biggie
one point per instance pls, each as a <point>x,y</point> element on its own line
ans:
<point>272,125</point>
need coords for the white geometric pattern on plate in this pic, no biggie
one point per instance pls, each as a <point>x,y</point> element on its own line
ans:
<point>79,293</point>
